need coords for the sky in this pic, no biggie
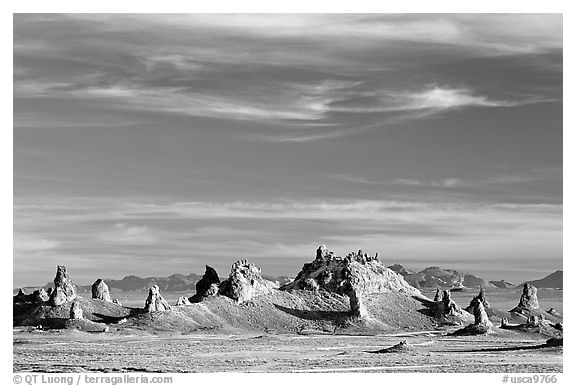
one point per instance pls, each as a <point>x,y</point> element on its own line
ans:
<point>153,144</point>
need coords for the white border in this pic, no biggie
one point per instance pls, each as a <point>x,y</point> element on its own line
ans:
<point>293,6</point>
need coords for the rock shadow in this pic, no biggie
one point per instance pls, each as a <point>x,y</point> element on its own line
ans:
<point>111,319</point>
<point>499,349</point>
<point>52,323</point>
<point>429,304</point>
<point>315,315</point>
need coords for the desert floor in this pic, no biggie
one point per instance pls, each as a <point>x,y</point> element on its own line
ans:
<point>72,351</point>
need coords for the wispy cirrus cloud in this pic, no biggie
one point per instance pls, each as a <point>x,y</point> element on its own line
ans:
<point>533,176</point>
<point>26,243</point>
<point>430,100</point>
<point>440,183</point>
<point>186,235</point>
<point>277,72</point>
<point>290,102</point>
<point>123,233</point>
<point>391,107</point>
<point>485,34</point>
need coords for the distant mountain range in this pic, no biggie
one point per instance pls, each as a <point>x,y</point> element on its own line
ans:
<point>175,282</point>
<point>554,280</point>
<point>426,278</point>
<point>440,277</point>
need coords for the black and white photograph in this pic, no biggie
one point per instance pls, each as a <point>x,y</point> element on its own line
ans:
<point>287,193</point>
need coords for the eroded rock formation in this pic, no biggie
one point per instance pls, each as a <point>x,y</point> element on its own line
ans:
<point>356,306</point>
<point>448,312</point>
<point>528,300</point>
<point>40,296</point>
<point>357,275</point>
<point>100,291</point>
<point>480,315</point>
<point>481,297</point>
<point>207,286</point>
<point>536,320</point>
<point>183,301</point>
<point>76,311</point>
<point>536,324</point>
<point>155,301</point>
<point>64,290</point>
<point>244,282</point>
<point>449,306</point>
<point>36,297</point>
<point>481,323</point>
<point>402,347</point>
<point>20,297</point>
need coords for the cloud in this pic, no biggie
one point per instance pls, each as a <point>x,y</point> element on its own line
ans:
<point>430,100</point>
<point>391,107</point>
<point>486,34</point>
<point>299,137</point>
<point>184,236</point>
<point>533,185</point>
<point>401,213</point>
<point>292,102</point>
<point>352,75</point>
<point>25,243</point>
<point>439,183</point>
<point>329,210</point>
<point>129,234</point>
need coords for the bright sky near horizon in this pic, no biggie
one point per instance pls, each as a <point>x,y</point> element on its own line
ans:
<point>155,144</point>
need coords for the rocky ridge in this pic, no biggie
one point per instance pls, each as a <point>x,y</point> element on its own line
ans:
<point>357,275</point>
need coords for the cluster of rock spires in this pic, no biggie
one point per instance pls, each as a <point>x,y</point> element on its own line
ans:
<point>481,297</point>
<point>535,323</point>
<point>356,275</point>
<point>243,284</point>
<point>446,310</point>
<point>64,291</point>
<point>37,297</point>
<point>447,305</point>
